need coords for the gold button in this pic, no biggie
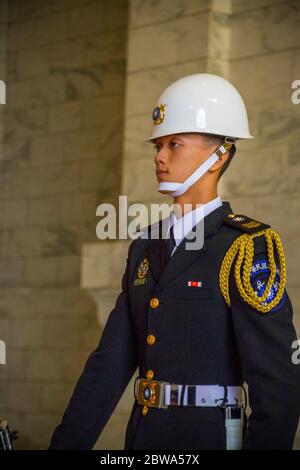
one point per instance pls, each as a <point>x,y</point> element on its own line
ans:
<point>145,410</point>
<point>154,302</point>
<point>150,339</point>
<point>150,374</point>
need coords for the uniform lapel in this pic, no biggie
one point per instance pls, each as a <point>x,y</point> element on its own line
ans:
<point>182,257</point>
<point>155,250</point>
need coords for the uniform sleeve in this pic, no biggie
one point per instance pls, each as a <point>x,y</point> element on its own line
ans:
<point>265,347</point>
<point>105,376</point>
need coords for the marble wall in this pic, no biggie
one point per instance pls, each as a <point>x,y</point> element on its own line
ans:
<point>60,157</point>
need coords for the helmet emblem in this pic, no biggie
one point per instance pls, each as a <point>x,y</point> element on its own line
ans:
<point>158,114</point>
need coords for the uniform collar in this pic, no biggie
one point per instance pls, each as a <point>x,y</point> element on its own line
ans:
<point>183,225</point>
<point>182,258</point>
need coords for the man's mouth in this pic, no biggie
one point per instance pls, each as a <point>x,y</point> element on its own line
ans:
<point>161,173</point>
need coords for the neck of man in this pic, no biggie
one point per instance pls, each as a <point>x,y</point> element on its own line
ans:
<point>195,196</point>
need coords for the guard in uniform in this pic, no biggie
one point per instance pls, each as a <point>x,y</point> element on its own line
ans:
<point>198,324</point>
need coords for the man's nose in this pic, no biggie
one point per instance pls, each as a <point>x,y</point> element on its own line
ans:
<point>161,156</point>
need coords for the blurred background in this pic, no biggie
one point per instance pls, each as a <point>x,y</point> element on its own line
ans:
<point>82,77</point>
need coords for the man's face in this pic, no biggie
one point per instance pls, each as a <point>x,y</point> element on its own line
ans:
<point>179,155</point>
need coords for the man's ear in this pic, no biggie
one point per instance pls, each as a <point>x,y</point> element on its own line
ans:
<point>219,163</point>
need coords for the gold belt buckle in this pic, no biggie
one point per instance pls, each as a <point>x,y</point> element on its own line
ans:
<point>151,393</point>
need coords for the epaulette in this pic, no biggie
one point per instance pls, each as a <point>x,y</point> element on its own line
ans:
<point>241,256</point>
<point>244,223</point>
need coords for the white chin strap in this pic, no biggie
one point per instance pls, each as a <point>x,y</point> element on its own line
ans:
<point>177,189</point>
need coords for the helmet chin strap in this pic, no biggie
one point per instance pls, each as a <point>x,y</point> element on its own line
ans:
<point>177,189</point>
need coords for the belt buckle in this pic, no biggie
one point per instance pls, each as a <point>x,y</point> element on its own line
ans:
<point>151,393</point>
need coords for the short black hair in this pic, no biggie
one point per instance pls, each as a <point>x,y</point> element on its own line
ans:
<point>228,161</point>
<point>218,141</point>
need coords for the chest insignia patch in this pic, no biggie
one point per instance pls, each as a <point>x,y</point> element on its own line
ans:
<point>142,273</point>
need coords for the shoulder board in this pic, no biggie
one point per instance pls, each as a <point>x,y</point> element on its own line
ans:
<point>244,223</point>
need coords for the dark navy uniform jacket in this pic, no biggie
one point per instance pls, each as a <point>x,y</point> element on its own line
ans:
<point>198,340</point>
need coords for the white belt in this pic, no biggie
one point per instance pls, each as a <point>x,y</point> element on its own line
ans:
<point>162,394</point>
<point>202,395</point>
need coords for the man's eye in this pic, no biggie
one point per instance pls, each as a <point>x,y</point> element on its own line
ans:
<point>156,147</point>
<point>174,143</point>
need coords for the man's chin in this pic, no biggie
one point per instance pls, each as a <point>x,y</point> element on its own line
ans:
<point>165,191</point>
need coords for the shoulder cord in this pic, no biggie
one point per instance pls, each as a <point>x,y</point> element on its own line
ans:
<point>244,246</point>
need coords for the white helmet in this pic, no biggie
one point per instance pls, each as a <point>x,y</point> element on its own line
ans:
<point>203,103</point>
